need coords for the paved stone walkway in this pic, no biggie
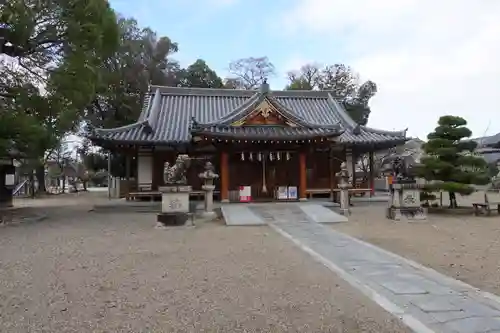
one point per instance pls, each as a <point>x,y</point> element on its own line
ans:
<point>422,298</point>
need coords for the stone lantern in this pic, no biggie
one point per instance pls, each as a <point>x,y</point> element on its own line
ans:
<point>344,187</point>
<point>208,186</point>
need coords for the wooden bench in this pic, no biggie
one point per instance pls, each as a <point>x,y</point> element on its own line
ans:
<point>483,202</point>
<point>198,194</point>
<point>359,191</point>
<point>143,194</point>
<point>352,191</point>
<point>310,192</point>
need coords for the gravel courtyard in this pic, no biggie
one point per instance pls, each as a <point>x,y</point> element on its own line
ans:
<point>92,272</point>
<point>464,247</point>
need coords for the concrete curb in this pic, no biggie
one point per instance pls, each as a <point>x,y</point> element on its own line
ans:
<point>431,272</point>
<point>410,321</point>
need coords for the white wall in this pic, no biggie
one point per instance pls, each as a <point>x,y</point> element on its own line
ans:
<point>144,169</point>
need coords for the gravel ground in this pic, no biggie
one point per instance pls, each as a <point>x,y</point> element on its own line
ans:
<point>88,272</point>
<point>462,246</point>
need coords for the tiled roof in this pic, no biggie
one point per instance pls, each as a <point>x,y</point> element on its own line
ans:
<point>488,141</point>
<point>267,132</point>
<point>167,114</point>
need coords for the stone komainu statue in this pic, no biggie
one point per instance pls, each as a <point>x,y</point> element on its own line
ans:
<point>176,174</point>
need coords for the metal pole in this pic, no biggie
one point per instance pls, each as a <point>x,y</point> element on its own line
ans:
<point>109,174</point>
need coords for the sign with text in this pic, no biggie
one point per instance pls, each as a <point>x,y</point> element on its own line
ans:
<point>175,202</point>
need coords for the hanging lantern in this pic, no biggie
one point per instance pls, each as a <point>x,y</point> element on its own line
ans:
<point>287,156</point>
<point>270,156</point>
<point>242,156</point>
<point>251,156</point>
<point>278,155</point>
<point>259,156</point>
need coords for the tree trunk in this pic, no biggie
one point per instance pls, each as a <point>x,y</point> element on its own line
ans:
<point>32,184</point>
<point>64,184</point>
<point>453,200</point>
<point>40,176</point>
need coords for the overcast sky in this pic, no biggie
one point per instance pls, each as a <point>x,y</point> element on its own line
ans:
<point>428,57</point>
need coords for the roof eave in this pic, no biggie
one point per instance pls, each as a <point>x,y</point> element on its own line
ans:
<point>267,137</point>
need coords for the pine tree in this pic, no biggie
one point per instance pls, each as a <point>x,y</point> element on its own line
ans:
<point>450,161</point>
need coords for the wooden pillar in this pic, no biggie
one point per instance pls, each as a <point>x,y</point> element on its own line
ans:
<point>109,174</point>
<point>127,174</point>
<point>224,177</point>
<point>302,176</point>
<point>127,166</point>
<point>332,175</point>
<point>372,173</point>
<point>353,168</point>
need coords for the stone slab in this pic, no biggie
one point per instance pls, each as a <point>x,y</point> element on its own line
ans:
<point>423,299</point>
<point>235,214</point>
<point>403,288</point>
<point>320,214</point>
<point>473,325</point>
<point>431,303</point>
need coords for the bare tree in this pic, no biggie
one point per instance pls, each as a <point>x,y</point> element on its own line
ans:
<point>233,83</point>
<point>306,78</point>
<point>340,79</point>
<point>252,72</point>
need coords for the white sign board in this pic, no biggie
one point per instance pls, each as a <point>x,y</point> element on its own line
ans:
<point>175,202</point>
<point>282,193</point>
<point>292,192</point>
<point>10,179</point>
<point>245,193</point>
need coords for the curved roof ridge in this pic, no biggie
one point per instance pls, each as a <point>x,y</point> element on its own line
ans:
<point>122,128</point>
<point>188,91</point>
<point>345,118</point>
<point>154,109</point>
<point>384,132</point>
<point>145,106</point>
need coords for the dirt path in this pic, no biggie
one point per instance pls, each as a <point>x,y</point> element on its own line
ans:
<point>88,272</point>
<point>464,247</point>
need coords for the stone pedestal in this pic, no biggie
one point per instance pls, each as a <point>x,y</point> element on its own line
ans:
<point>174,205</point>
<point>344,200</point>
<point>404,202</point>
<point>209,200</point>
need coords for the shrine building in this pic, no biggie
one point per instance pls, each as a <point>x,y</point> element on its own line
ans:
<point>271,141</point>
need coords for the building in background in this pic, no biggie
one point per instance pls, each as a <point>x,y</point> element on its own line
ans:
<point>268,140</point>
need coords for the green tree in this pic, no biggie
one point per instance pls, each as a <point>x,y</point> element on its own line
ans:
<point>299,84</point>
<point>450,163</point>
<point>341,81</point>
<point>357,106</point>
<point>54,48</point>
<point>199,75</point>
<point>141,59</point>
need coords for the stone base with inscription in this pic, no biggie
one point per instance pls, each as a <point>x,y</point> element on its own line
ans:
<point>174,205</point>
<point>404,203</point>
